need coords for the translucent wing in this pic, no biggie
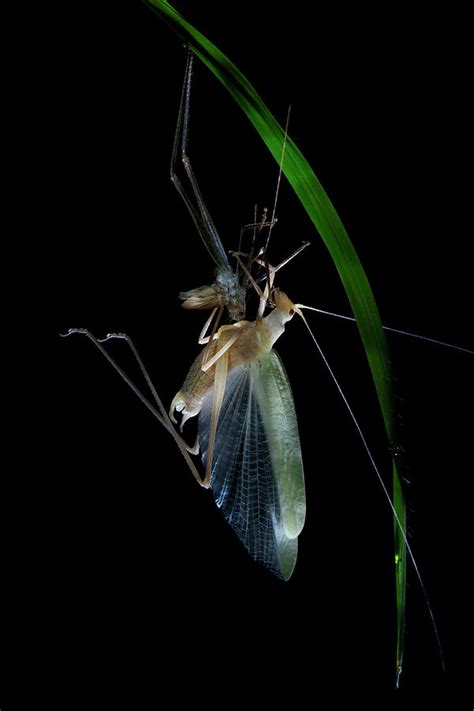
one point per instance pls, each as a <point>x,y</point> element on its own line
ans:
<point>257,474</point>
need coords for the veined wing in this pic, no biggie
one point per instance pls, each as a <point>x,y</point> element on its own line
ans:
<point>257,474</point>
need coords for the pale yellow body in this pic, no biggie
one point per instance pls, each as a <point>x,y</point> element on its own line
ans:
<point>253,339</point>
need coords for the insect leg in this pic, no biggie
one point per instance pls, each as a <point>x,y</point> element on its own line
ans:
<point>200,216</point>
<point>282,264</point>
<point>161,415</point>
<point>222,351</point>
<point>202,336</point>
<point>128,340</point>
<point>263,295</point>
<point>220,378</point>
<point>209,339</point>
<point>248,274</point>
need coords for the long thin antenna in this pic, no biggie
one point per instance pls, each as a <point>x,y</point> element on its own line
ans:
<point>393,330</point>
<point>277,191</point>
<point>381,482</point>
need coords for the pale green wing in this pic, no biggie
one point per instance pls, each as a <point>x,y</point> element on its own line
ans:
<point>251,477</point>
<point>279,418</point>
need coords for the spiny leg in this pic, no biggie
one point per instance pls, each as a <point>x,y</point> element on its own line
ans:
<point>220,378</point>
<point>223,350</point>
<point>202,336</point>
<point>200,216</point>
<point>123,336</point>
<point>269,275</point>
<point>128,340</point>
<point>162,415</point>
<point>203,339</point>
<point>248,274</point>
<point>255,226</point>
<point>273,220</point>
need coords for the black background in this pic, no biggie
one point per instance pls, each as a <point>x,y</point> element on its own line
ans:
<point>120,575</point>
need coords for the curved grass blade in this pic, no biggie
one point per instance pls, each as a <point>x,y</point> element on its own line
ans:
<point>327,222</point>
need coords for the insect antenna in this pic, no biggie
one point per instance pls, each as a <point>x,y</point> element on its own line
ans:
<point>298,308</point>
<point>280,171</point>
<point>394,330</point>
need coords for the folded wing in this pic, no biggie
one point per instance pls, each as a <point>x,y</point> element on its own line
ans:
<point>257,474</point>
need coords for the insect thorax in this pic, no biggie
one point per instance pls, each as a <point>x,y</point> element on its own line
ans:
<point>226,292</point>
<point>233,292</point>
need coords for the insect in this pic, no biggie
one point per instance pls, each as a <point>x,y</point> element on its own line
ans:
<point>248,434</point>
<point>247,429</point>
<point>237,386</point>
<point>233,389</point>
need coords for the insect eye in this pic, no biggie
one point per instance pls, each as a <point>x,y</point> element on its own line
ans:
<point>291,312</point>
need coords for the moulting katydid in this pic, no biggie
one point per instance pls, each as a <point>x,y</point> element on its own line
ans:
<point>238,389</point>
<point>248,434</point>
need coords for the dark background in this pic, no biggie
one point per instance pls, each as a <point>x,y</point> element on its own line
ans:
<point>120,575</point>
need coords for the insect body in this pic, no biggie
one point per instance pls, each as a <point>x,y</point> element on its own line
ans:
<point>248,436</point>
<point>239,391</point>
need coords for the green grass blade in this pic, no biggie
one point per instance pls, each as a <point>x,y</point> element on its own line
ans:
<point>327,222</point>
<point>398,500</point>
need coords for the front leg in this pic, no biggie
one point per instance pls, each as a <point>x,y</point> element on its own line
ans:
<point>203,339</point>
<point>209,362</point>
